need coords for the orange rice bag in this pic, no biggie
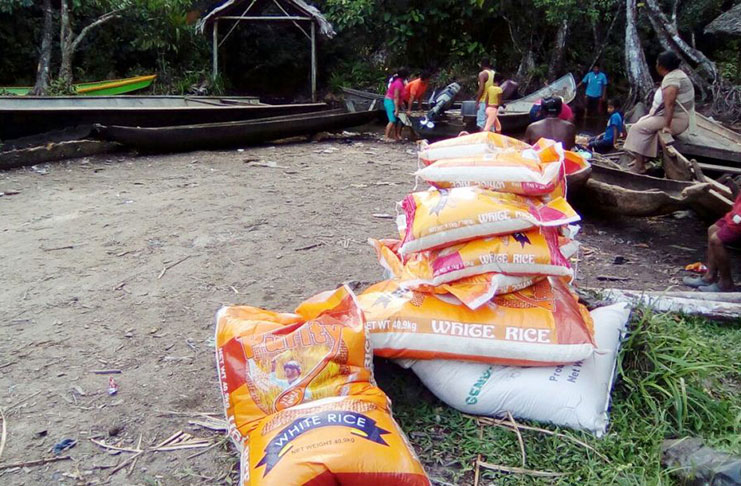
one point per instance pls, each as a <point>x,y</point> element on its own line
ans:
<point>301,401</point>
<point>438,218</point>
<point>538,326</point>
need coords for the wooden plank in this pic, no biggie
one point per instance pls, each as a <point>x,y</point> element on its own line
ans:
<point>676,166</point>
<point>313,62</point>
<point>720,168</point>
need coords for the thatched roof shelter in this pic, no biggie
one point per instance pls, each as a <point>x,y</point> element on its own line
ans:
<point>297,12</point>
<point>728,23</point>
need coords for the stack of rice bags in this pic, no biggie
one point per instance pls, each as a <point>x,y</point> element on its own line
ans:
<point>479,303</point>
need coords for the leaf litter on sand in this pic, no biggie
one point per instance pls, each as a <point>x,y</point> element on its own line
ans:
<point>677,377</point>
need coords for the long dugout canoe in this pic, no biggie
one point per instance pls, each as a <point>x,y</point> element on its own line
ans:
<point>233,134</point>
<point>25,116</point>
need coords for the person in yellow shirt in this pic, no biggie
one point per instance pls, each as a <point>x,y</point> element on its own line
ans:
<point>493,98</point>
<point>486,79</point>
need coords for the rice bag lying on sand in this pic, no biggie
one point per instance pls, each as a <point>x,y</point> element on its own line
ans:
<point>300,398</point>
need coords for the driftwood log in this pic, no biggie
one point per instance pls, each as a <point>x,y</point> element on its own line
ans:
<point>690,303</point>
<point>54,151</point>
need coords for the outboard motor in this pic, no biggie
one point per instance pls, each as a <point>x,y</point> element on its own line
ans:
<point>441,102</point>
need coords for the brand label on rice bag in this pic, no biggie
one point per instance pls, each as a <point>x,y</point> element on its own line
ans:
<point>540,325</point>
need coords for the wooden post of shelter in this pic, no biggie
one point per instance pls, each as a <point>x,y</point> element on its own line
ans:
<point>313,62</point>
<point>215,47</point>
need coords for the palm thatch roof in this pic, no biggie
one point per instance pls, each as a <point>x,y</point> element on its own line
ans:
<point>728,23</point>
<point>285,7</point>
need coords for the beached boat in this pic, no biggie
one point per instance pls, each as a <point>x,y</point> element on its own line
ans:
<point>97,88</point>
<point>23,116</point>
<point>233,134</point>
<point>613,190</point>
<point>710,140</point>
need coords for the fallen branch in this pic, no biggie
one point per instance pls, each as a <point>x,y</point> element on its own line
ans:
<point>104,445</point>
<point>16,404</point>
<point>520,470</point>
<point>506,424</point>
<point>37,462</point>
<point>106,372</point>
<point>68,247</point>
<point>516,428</point>
<point>4,432</point>
<point>172,265</point>
<point>711,309</point>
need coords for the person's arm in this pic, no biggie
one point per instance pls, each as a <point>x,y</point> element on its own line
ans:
<point>614,134</point>
<point>480,92</point>
<point>583,80</point>
<point>604,89</point>
<point>529,135</point>
<point>397,100</point>
<point>670,97</point>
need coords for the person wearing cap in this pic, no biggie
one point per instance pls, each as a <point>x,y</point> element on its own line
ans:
<point>552,127</point>
<point>292,370</point>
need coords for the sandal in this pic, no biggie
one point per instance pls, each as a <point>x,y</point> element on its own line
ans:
<point>714,287</point>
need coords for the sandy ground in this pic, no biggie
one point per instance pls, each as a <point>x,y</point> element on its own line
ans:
<point>119,262</point>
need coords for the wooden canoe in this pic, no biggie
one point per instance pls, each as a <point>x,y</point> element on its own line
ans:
<point>233,134</point>
<point>23,116</point>
<point>615,191</point>
<point>96,88</point>
<point>710,140</point>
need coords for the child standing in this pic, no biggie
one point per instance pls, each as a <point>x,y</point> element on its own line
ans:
<point>493,99</point>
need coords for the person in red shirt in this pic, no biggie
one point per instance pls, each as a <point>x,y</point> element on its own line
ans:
<point>726,231</point>
<point>415,89</point>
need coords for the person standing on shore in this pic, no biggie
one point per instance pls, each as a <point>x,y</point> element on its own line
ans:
<point>486,80</point>
<point>596,90</point>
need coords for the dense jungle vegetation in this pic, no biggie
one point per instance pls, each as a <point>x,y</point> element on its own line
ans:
<point>530,40</point>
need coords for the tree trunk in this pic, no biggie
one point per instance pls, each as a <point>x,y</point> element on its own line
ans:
<point>667,30</point>
<point>524,73</point>
<point>69,42</point>
<point>666,44</point>
<point>65,44</point>
<point>635,60</point>
<point>42,70</point>
<point>556,63</point>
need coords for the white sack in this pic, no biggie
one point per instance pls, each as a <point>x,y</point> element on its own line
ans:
<point>575,396</point>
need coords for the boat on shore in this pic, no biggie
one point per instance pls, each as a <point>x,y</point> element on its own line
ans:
<point>613,190</point>
<point>96,88</point>
<point>710,140</point>
<point>233,134</point>
<point>24,116</point>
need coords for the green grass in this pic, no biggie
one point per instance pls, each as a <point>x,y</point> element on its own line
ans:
<point>678,377</point>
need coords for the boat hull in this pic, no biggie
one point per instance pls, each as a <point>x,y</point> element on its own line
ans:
<point>25,116</point>
<point>97,88</point>
<point>233,134</point>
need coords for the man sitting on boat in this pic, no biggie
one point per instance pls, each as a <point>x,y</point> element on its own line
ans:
<point>606,141</point>
<point>726,231</point>
<point>552,126</point>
